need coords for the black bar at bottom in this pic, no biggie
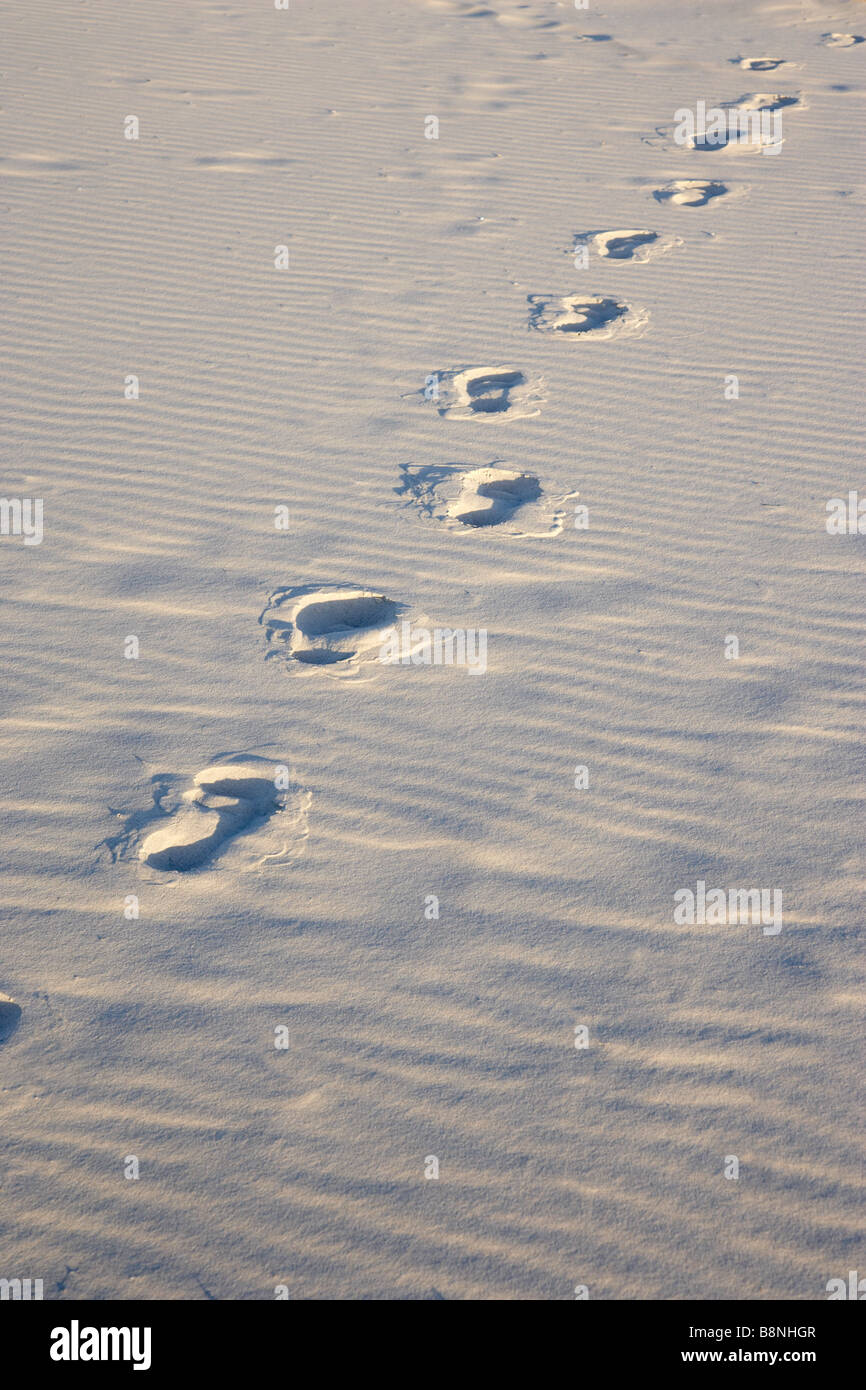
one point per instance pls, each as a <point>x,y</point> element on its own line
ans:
<point>65,1339</point>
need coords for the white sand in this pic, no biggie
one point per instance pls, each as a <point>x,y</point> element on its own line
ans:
<point>304,387</point>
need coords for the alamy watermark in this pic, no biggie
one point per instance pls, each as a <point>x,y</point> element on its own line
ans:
<point>20,1290</point>
<point>22,516</point>
<point>707,129</point>
<point>736,907</point>
<point>855,1288</point>
<point>77,1343</point>
<point>443,646</point>
<point>846,517</point>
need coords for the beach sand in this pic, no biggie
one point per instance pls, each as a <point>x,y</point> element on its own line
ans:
<point>420,313</point>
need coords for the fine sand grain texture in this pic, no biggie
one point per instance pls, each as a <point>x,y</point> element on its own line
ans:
<point>397,320</point>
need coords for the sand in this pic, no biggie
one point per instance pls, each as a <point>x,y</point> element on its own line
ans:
<point>286,371</point>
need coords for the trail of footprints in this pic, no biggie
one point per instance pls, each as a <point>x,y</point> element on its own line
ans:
<point>337,628</point>
<point>507,393</point>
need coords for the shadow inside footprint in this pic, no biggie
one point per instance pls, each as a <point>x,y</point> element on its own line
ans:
<point>759,64</point>
<point>489,394</point>
<point>313,656</point>
<point>223,800</point>
<point>339,626</point>
<point>478,499</point>
<point>501,497</point>
<point>707,144</point>
<point>329,616</point>
<point>622,248</point>
<point>690,193</point>
<point>590,316</point>
<point>10,1017</point>
<point>334,624</point>
<point>575,314</point>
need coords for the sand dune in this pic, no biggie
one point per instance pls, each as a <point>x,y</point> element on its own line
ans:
<point>321,322</point>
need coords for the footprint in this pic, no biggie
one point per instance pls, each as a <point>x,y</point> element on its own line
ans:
<point>485,393</point>
<point>26,166</point>
<point>748,130</point>
<point>340,626</point>
<point>490,496</point>
<point>690,193</point>
<point>731,141</point>
<point>10,1017</point>
<point>235,794</point>
<point>528,21</point>
<point>760,64</point>
<point>241,161</point>
<point>763,101</point>
<point>586,314</point>
<point>638,246</point>
<point>522,16</point>
<point>462,9</point>
<point>496,495</point>
<point>841,40</point>
<point>404,174</point>
<point>752,123</point>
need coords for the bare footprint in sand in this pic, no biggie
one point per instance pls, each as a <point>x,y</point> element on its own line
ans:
<point>476,499</point>
<point>760,64</point>
<point>520,16</point>
<point>238,793</point>
<point>10,1017</point>
<point>240,161</point>
<point>485,393</point>
<point>593,316</point>
<point>339,627</point>
<point>638,246</point>
<point>37,165</point>
<point>690,193</point>
<point>841,40</point>
<point>750,124</point>
<point>746,125</point>
<point>765,101</point>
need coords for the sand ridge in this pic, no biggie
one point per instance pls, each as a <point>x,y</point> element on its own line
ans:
<point>228,342</point>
